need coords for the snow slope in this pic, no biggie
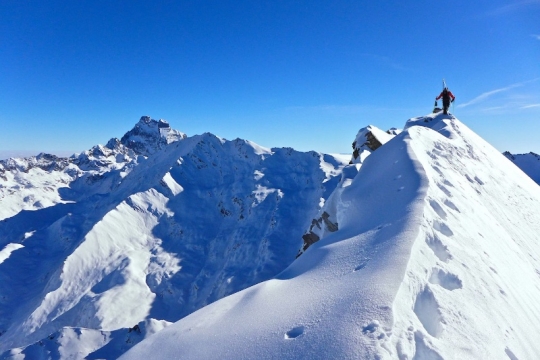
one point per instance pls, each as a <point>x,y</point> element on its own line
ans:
<point>145,230</point>
<point>435,256</point>
<point>528,163</point>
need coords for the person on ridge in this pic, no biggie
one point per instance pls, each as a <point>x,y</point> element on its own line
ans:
<point>447,98</point>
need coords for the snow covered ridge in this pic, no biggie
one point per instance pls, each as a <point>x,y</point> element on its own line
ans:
<point>368,139</point>
<point>33,183</point>
<point>528,163</point>
<point>126,235</point>
<point>436,256</point>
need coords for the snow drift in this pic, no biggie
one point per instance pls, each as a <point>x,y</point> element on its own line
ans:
<point>435,256</point>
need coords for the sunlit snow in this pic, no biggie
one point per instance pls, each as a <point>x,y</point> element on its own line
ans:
<point>160,245</point>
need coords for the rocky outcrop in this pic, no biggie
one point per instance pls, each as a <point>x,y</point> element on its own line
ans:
<point>310,237</point>
<point>368,140</point>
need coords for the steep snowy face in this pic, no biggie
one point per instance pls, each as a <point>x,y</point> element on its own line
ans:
<point>134,238</point>
<point>149,136</point>
<point>528,163</point>
<point>436,256</point>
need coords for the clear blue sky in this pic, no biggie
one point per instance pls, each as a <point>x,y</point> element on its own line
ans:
<point>304,74</point>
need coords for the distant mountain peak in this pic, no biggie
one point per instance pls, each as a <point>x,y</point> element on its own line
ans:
<point>529,163</point>
<point>148,136</point>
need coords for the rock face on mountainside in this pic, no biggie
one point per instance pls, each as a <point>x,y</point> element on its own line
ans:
<point>528,163</point>
<point>144,230</point>
<point>368,140</point>
<point>149,136</point>
<point>434,255</point>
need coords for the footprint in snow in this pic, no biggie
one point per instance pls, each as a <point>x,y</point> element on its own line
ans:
<point>442,228</point>
<point>451,205</point>
<point>294,332</point>
<point>447,183</point>
<point>510,354</point>
<point>436,168</point>
<point>438,208</point>
<point>469,179</point>
<point>444,190</point>
<point>427,310</point>
<point>445,279</point>
<point>478,180</point>
<point>362,265</point>
<point>371,327</point>
<point>424,350</point>
<point>439,249</point>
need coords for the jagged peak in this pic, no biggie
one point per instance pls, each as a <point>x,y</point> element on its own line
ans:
<point>509,154</point>
<point>369,139</point>
<point>149,135</point>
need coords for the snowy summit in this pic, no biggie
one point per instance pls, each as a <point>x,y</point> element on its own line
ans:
<point>424,247</point>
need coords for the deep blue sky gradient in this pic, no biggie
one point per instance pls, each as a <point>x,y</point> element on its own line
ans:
<point>304,74</point>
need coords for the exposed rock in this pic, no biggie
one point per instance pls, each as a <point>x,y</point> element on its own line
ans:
<point>310,237</point>
<point>332,227</point>
<point>368,140</point>
<point>150,135</point>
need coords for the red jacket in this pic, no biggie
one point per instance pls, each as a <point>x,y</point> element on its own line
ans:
<point>449,94</point>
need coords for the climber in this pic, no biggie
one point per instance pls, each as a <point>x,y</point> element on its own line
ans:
<point>447,98</point>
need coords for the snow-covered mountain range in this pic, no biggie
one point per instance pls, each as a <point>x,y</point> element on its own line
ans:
<point>144,231</point>
<point>426,246</point>
<point>529,163</point>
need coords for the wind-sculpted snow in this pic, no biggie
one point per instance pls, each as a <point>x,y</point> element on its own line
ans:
<point>436,256</point>
<point>134,237</point>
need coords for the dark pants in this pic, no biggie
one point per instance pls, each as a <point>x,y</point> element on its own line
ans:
<point>446,104</point>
